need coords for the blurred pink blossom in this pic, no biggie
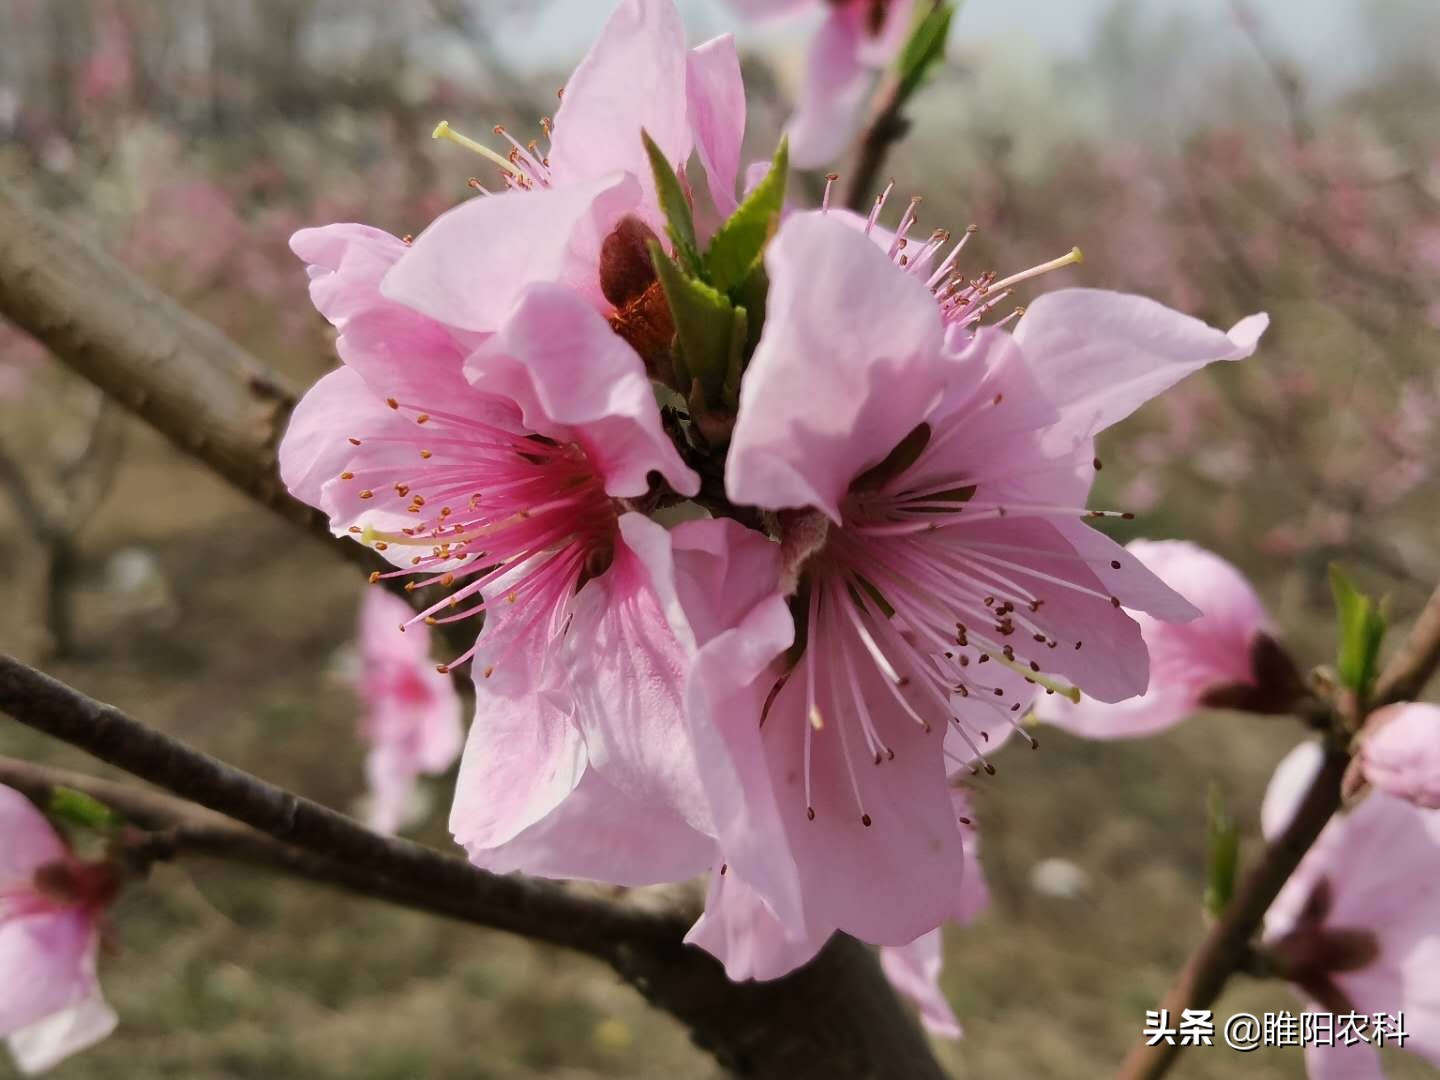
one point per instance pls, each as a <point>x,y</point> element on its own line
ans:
<point>411,711</point>
<point>50,909</point>
<point>1400,753</point>
<point>856,40</point>
<point>1189,661</point>
<point>1357,926</point>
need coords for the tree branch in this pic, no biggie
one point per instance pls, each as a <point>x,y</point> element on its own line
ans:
<point>173,370</point>
<point>836,1017</point>
<point>537,909</point>
<point>177,828</point>
<point>1225,949</point>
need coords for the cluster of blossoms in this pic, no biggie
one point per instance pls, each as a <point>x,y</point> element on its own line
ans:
<point>754,622</point>
<point>771,529</point>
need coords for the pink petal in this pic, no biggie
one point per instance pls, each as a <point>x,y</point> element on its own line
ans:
<point>626,673</point>
<point>848,364</point>
<point>1288,784</point>
<point>573,377</point>
<point>401,353</point>
<point>891,881</point>
<point>47,964</point>
<point>1185,660</point>
<point>740,930</point>
<point>633,77</point>
<point>316,449</point>
<point>390,775</point>
<point>914,972</point>
<point>468,268</point>
<point>717,582</point>
<point>1104,354</point>
<point>600,834</point>
<point>885,46</point>
<point>717,115</point>
<point>27,840</point>
<point>832,99</point>
<point>1400,753</point>
<point>45,1043</point>
<point>524,755</point>
<point>382,642</point>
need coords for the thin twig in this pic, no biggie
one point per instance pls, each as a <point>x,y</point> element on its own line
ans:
<point>888,126</point>
<point>178,828</point>
<point>1225,948</point>
<point>538,909</point>
<point>834,1018</point>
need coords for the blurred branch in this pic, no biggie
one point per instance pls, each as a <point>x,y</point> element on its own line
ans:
<point>175,371</point>
<point>176,828</point>
<point>1225,949</point>
<point>888,126</point>
<point>834,1018</point>
<point>541,910</point>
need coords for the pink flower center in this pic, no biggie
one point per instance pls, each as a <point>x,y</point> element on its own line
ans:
<point>899,596</point>
<point>520,517</point>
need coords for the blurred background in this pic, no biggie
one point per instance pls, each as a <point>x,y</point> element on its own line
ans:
<point>1222,157</point>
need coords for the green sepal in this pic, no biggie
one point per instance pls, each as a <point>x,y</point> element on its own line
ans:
<point>679,222</point>
<point>76,808</point>
<point>737,246</point>
<point>1362,624</point>
<point>1223,854</point>
<point>924,47</point>
<point>704,325</point>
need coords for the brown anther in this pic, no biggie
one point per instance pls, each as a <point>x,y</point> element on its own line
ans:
<point>430,620</point>
<point>353,441</point>
<point>443,669</point>
<point>1114,564</point>
<point>374,577</point>
<point>489,670</point>
<point>367,494</point>
<point>810,813</point>
<point>426,454</point>
<point>392,403</point>
<point>1114,601</point>
<point>380,545</point>
<point>423,418</point>
<point>865,820</point>
<point>347,475</point>
<point>447,580</point>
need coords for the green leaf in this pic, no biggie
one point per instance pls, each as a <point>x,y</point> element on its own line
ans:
<point>678,220</point>
<point>76,808</point>
<point>736,247</point>
<point>705,325</point>
<point>925,46</point>
<point>1224,854</point>
<point>1362,629</point>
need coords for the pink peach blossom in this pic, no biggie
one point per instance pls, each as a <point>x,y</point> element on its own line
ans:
<point>1356,927</point>
<point>502,475</point>
<point>411,711</point>
<point>560,205</point>
<point>1187,660</point>
<point>1400,753</point>
<point>928,479</point>
<point>856,40</point>
<point>50,909</point>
